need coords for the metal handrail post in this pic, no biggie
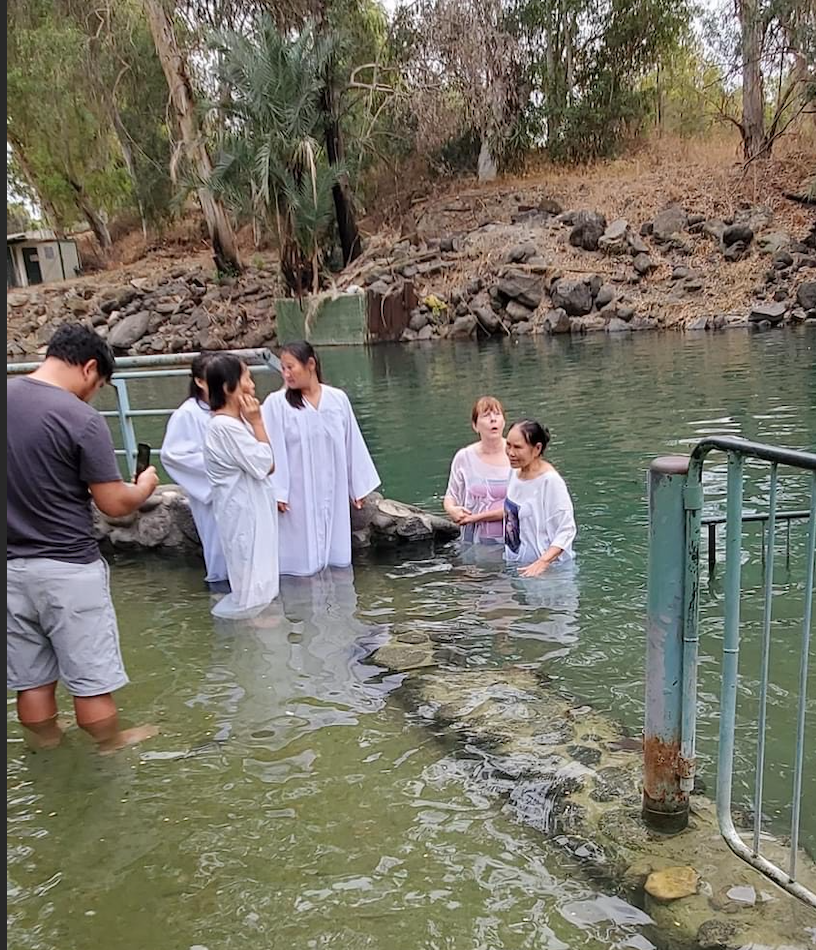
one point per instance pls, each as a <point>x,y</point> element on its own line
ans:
<point>665,803</point>
<point>126,423</point>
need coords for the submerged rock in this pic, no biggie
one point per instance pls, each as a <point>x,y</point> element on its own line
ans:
<point>672,884</point>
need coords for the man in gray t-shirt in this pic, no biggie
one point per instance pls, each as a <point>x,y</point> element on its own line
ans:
<point>60,621</point>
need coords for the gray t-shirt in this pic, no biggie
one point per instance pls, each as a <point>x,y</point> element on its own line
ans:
<point>57,446</point>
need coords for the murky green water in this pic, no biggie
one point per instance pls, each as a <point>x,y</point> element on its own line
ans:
<point>291,801</point>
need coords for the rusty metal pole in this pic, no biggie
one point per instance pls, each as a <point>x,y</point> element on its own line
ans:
<point>665,803</point>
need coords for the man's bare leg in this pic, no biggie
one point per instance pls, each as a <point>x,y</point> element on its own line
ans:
<point>99,717</point>
<point>37,712</point>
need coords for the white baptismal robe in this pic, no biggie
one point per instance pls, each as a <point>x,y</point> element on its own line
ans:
<point>237,468</point>
<point>321,465</point>
<point>182,456</point>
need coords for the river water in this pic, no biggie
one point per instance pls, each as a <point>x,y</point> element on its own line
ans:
<point>291,800</point>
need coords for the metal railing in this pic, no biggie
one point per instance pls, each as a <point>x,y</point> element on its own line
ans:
<point>676,502</point>
<point>152,367</point>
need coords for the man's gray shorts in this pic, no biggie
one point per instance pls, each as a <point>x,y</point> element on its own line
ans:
<point>61,625</point>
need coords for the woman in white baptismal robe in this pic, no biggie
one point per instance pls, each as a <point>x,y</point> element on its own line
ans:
<point>239,460</point>
<point>182,455</point>
<point>322,465</point>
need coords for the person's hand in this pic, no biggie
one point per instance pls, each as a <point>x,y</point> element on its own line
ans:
<point>458,514</point>
<point>536,569</point>
<point>283,507</point>
<point>148,480</point>
<point>469,519</point>
<point>357,503</point>
<point>250,408</point>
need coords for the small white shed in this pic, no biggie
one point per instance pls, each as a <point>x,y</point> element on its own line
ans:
<point>39,257</point>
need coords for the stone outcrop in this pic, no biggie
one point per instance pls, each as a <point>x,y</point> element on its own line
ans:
<point>165,524</point>
<point>572,774</point>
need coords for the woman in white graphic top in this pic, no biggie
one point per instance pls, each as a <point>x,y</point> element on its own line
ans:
<point>539,521</point>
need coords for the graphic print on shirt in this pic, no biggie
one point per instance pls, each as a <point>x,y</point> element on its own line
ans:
<point>485,495</point>
<point>512,534</point>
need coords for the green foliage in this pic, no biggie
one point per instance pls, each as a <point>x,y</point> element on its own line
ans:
<point>51,117</point>
<point>269,161</point>
<point>587,63</point>
<point>86,97</point>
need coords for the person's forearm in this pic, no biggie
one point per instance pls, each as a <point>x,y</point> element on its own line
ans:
<point>259,431</point>
<point>449,505</point>
<point>495,514</point>
<point>551,554</point>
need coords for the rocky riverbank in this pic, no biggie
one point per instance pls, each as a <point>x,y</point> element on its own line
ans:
<point>165,524</point>
<point>573,774</point>
<point>539,269</point>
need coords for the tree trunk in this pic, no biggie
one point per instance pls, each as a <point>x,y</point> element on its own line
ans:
<point>92,216</point>
<point>127,153</point>
<point>46,206</point>
<point>753,99</point>
<point>343,199</point>
<point>222,236</point>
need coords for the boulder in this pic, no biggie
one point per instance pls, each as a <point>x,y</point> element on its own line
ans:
<point>521,253</point>
<point>588,230</point>
<point>463,327</point>
<point>488,319</point>
<point>527,289</point>
<point>518,313</point>
<point>604,296</point>
<point>806,295</point>
<point>425,333</point>
<point>642,323</point>
<point>129,330</point>
<point>773,241</point>
<point>737,233</point>
<point>418,320</point>
<point>76,305</point>
<point>122,298</point>
<point>672,884</point>
<point>643,264</point>
<point>698,323</point>
<point>636,244</point>
<point>573,296</point>
<point>524,328</point>
<point>735,252</point>
<point>590,324</point>
<point>613,240</point>
<point>556,321</point>
<point>616,325</point>
<point>772,312</point>
<point>714,228</point>
<point>668,223</point>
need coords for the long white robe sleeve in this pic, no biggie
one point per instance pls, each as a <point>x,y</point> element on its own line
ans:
<point>182,456</point>
<point>322,464</point>
<point>237,467</point>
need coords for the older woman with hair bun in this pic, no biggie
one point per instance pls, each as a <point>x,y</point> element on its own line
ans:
<point>539,521</point>
<point>477,484</point>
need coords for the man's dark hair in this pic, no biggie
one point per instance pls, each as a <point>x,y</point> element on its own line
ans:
<point>76,345</point>
<point>223,374</point>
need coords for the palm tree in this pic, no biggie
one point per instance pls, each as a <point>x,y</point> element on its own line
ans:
<point>270,162</point>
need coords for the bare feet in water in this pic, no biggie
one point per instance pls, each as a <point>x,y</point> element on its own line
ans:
<point>127,737</point>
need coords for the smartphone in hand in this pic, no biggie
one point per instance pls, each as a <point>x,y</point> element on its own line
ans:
<point>142,459</point>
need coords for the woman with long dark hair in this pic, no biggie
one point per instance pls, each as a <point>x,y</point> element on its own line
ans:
<point>539,521</point>
<point>182,456</point>
<point>323,466</point>
<point>238,461</point>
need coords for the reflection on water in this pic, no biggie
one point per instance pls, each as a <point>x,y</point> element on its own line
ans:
<point>291,801</point>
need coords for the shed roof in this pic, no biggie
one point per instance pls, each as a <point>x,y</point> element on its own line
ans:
<point>32,236</point>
